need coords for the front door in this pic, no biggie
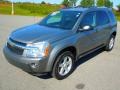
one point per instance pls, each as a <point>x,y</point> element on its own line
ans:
<point>87,39</point>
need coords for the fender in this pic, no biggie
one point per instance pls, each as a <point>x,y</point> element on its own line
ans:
<point>57,48</point>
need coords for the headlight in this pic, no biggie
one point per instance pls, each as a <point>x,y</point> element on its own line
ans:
<point>37,50</point>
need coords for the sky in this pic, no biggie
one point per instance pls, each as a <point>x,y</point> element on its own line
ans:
<point>115,2</point>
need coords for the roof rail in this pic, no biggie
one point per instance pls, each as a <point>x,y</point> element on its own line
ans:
<point>78,6</point>
<point>85,7</point>
<point>93,7</point>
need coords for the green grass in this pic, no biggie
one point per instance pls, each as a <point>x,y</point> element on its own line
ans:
<point>117,14</point>
<point>118,18</point>
<point>5,9</point>
<point>29,9</point>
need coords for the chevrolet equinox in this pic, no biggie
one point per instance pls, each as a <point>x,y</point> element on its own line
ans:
<point>54,44</point>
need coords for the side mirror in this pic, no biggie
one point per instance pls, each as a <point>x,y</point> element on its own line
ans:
<point>86,28</point>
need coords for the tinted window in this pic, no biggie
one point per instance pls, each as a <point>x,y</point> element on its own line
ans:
<point>88,19</point>
<point>102,18</point>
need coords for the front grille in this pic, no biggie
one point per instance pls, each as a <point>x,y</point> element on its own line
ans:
<point>14,48</point>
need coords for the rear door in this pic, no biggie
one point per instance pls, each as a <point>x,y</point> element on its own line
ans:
<point>103,27</point>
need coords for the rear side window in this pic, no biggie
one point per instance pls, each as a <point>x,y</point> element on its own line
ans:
<point>102,18</point>
<point>112,16</point>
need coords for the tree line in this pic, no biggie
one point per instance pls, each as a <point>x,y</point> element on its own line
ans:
<point>88,3</point>
<point>83,3</point>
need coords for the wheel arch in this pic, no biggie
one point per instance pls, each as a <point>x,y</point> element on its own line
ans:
<point>57,52</point>
<point>114,33</point>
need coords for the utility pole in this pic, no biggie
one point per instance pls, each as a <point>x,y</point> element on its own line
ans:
<point>12,12</point>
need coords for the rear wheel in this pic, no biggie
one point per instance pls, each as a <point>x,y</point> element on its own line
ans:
<point>63,66</point>
<point>110,43</point>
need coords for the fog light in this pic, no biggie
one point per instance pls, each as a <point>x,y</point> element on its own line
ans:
<point>34,65</point>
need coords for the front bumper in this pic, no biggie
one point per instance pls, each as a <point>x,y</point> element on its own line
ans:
<point>26,63</point>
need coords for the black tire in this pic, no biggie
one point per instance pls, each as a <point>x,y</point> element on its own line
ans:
<point>107,47</point>
<point>55,72</point>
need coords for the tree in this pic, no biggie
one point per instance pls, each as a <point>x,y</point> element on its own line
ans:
<point>100,3</point>
<point>2,0</point>
<point>66,2</point>
<point>43,2</point>
<point>73,2</point>
<point>106,3</point>
<point>87,3</point>
<point>118,7</point>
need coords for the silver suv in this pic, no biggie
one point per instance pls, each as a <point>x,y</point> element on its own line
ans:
<point>60,39</point>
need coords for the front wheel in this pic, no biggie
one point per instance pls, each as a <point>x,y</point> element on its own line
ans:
<point>63,66</point>
<point>110,43</point>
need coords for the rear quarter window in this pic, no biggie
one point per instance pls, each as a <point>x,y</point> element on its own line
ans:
<point>112,16</point>
<point>102,18</point>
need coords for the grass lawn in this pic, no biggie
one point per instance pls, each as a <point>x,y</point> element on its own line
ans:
<point>118,18</point>
<point>28,9</point>
<point>5,9</point>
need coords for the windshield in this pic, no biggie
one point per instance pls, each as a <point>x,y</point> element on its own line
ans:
<point>61,19</point>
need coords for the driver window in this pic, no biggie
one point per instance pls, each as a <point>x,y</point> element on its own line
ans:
<point>89,19</point>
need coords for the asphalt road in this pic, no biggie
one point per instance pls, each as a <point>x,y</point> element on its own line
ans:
<point>98,71</point>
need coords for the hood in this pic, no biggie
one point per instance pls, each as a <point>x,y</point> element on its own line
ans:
<point>37,33</point>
